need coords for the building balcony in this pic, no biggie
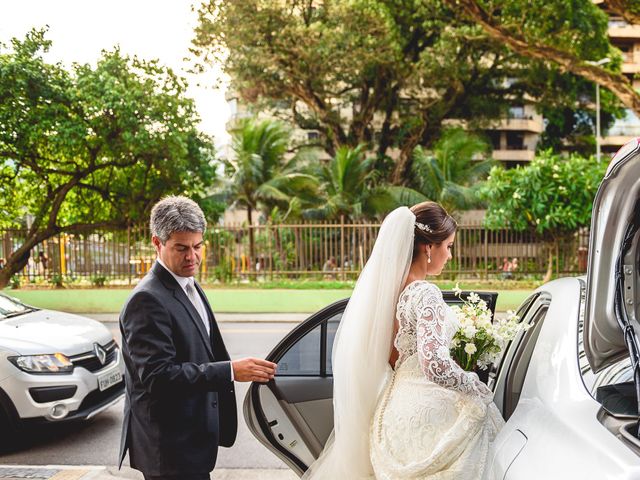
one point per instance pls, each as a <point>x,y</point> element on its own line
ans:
<point>619,29</point>
<point>513,154</point>
<point>616,140</point>
<point>630,67</point>
<point>622,131</point>
<point>524,124</point>
<point>620,134</point>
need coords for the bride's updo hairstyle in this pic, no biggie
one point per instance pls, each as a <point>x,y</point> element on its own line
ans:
<point>433,225</point>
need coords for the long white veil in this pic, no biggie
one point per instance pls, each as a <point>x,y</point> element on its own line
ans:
<point>361,351</point>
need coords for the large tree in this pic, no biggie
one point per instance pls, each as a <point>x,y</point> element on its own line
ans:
<point>569,34</point>
<point>553,197</point>
<point>263,174</point>
<point>383,73</point>
<point>90,148</point>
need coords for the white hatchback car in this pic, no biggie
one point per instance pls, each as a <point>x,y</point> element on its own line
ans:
<point>54,367</point>
<point>568,387</point>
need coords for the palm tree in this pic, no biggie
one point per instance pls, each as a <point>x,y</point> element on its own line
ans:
<point>451,173</point>
<point>350,186</point>
<point>260,177</point>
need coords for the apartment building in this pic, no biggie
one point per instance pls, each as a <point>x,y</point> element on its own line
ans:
<point>514,138</point>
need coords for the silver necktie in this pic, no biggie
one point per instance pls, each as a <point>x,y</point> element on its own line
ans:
<point>190,289</point>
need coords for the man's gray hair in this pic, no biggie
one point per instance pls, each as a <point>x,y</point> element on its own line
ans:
<point>176,214</point>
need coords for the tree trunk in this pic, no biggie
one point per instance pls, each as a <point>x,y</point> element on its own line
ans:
<point>627,9</point>
<point>300,253</point>
<point>401,170</point>
<point>549,274</point>
<point>15,262</point>
<point>252,246</point>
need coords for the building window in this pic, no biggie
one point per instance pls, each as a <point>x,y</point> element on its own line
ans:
<point>515,141</point>
<point>494,138</point>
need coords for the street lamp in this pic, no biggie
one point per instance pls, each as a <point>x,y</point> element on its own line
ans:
<point>599,63</point>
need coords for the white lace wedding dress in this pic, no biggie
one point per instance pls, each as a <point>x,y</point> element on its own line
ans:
<point>433,420</point>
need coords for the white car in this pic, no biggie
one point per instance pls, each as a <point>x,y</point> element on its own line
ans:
<point>566,386</point>
<point>54,367</point>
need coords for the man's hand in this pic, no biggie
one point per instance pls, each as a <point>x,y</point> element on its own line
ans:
<point>253,370</point>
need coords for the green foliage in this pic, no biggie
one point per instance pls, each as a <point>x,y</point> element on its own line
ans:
<point>559,21</point>
<point>552,196</point>
<point>260,177</point>
<point>57,281</point>
<point>572,126</point>
<point>223,271</point>
<point>383,73</point>
<point>351,186</point>
<point>93,147</point>
<point>14,282</point>
<point>451,173</point>
<point>99,280</point>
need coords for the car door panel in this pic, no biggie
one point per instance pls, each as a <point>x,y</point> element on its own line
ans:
<point>292,415</point>
<point>506,454</point>
<point>302,389</point>
<point>310,401</point>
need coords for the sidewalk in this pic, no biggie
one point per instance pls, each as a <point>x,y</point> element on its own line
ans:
<point>225,317</point>
<point>64,472</point>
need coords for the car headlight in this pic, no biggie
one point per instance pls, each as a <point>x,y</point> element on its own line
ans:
<point>52,363</point>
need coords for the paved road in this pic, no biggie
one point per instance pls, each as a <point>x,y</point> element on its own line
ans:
<point>96,442</point>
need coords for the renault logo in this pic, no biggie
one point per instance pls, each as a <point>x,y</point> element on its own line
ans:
<point>100,352</point>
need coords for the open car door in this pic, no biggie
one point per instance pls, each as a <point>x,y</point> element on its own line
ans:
<point>292,415</point>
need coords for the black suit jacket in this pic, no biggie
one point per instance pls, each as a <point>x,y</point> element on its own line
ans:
<point>180,402</point>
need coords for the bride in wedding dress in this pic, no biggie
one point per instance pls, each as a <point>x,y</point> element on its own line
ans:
<point>403,409</point>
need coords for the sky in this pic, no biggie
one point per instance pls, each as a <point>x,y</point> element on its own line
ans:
<point>162,29</point>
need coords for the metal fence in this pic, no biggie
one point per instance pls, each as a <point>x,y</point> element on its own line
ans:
<point>330,250</point>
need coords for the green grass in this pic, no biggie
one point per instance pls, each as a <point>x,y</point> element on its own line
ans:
<point>242,300</point>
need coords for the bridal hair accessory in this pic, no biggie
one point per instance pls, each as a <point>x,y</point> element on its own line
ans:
<point>424,227</point>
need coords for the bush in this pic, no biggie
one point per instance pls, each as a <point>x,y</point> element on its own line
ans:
<point>223,271</point>
<point>57,281</point>
<point>14,283</point>
<point>98,280</point>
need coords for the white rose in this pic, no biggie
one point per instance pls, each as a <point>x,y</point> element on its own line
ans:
<point>469,331</point>
<point>470,348</point>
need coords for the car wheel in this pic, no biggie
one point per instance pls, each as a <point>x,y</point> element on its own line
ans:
<point>10,437</point>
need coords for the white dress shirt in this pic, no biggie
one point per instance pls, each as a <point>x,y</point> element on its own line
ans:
<point>196,300</point>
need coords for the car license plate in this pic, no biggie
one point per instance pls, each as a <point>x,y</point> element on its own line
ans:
<point>109,379</point>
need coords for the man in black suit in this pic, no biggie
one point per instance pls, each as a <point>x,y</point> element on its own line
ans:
<point>180,403</point>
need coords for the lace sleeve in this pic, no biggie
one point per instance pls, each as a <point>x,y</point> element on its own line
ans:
<point>433,347</point>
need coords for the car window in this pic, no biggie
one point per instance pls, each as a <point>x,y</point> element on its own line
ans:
<point>311,354</point>
<point>9,306</point>
<point>332,328</point>
<point>303,358</point>
<point>522,353</point>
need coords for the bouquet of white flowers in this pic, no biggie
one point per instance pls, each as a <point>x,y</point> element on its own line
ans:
<point>479,341</point>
